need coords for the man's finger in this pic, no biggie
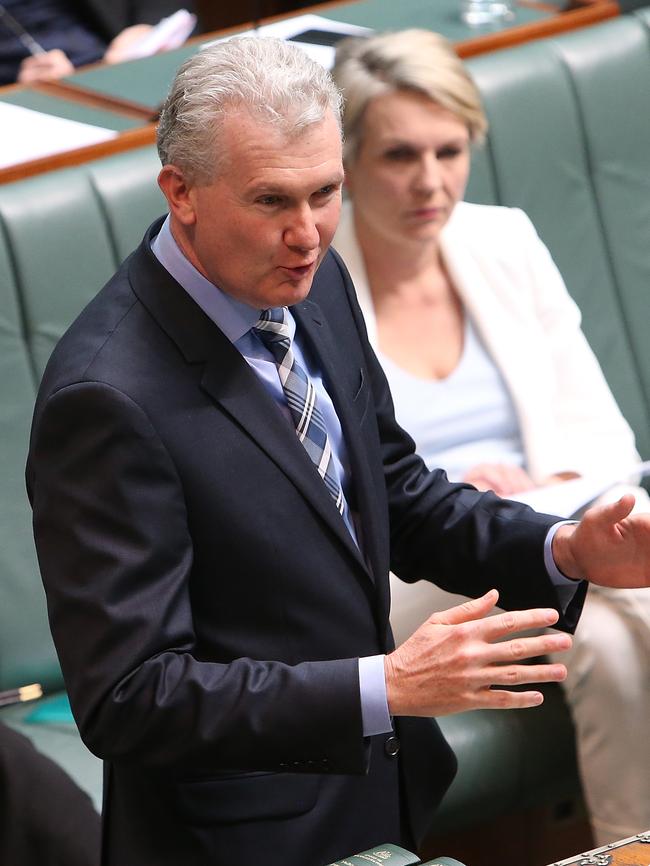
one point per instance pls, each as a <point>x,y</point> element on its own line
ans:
<point>614,511</point>
<point>502,699</point>
<point>518,620</point>
<point>473,609</point>
<point>528,647</point>
<point>516,675</point>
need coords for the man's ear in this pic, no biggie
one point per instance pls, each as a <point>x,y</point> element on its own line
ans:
<point>179,194</point>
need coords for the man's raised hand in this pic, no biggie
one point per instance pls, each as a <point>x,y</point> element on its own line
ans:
<point>610,546</point>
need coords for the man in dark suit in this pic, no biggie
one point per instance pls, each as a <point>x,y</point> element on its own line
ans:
<point>219,490</point>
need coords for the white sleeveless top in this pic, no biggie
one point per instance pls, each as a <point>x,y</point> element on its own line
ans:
<point>465,419</point>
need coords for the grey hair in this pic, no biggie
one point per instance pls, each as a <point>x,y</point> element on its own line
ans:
<point>415,60</point>
<point>270,78</point>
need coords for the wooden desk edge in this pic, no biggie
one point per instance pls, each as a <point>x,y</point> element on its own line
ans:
<point>559,23</point>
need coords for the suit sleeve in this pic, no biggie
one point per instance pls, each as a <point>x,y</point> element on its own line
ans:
<point>116,557</point>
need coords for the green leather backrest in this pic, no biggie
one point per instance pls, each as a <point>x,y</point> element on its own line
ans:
<point>130,199</point>
<point>570,144</point>
<point>61,237</point>
<point>26,650</point>
<point>615,103</point>
<point>68,231</point>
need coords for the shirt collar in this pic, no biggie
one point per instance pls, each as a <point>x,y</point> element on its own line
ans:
<point>233,317</point>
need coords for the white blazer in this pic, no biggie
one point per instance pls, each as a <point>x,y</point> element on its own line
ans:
<point>514,293</point>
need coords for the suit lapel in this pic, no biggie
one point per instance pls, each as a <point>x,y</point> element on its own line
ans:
<point>232,384</point>
<point>478,291</point>
<point>319,337</point>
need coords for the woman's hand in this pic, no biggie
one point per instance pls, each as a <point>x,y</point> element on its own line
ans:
<point>503,478</point>
<point>45,67</point>
<point>118,50</point>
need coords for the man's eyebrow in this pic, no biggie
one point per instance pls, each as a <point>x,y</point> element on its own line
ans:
<point>269,188</point>
<point>335,180</point>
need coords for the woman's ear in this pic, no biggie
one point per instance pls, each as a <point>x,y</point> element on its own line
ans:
<point>179,193</point>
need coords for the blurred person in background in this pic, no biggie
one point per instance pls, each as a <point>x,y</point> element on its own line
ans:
<point>45,818</point>
<point>72,33</point>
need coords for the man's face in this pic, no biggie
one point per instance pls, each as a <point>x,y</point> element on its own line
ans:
<point>260,229</point>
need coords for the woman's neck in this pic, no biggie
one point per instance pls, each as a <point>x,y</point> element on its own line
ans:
<point>395,268</point>
<point>420,317</point>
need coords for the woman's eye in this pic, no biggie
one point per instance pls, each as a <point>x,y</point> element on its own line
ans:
<point>400,154</point>
<point>449,152</point>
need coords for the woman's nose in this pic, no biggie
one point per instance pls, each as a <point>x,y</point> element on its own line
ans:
<point>429,175</point>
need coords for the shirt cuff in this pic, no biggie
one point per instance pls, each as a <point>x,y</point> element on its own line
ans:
<point>566,587</point>
<point>374,703</point>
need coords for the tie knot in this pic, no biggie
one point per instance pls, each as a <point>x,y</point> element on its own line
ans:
<point>273,326</point>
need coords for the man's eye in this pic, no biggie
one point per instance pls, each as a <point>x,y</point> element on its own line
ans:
<point>268,200</point>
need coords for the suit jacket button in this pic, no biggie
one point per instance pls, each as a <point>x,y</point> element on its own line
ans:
<point>392,747</point>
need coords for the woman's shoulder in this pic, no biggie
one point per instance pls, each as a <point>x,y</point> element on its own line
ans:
<point>491,220</point>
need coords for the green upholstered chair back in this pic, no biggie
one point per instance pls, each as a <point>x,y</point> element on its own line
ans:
<point>570,144</point>
<point>61,237</point>
<point>26,651</point>
<point>68,230</point>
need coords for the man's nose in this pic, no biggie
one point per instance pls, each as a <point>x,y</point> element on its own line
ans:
<point>302,232</point>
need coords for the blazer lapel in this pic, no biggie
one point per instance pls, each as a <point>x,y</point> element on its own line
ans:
<point>478,290</point>
<point>509,341</point>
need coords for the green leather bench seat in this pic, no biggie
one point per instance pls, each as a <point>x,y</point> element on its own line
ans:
<point>569,143</point>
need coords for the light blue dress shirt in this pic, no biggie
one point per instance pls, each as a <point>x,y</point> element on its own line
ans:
<point>235,319</point>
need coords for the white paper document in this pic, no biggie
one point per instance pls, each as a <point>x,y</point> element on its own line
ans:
<point>28,134</point>
<point>308,31</point>
<point>167,34</point>
<point>571,497</point>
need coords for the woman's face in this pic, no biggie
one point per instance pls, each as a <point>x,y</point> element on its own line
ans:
<point>411,167</point>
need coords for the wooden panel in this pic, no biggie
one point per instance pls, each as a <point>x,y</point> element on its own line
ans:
<point>215,16</point>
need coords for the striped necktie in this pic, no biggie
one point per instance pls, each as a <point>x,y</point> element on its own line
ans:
<point>273,330</point>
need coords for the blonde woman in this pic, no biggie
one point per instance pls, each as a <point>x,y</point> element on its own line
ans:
<point>489,370</point>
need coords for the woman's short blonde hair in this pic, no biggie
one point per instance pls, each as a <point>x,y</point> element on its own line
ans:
<point>414,60</point>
